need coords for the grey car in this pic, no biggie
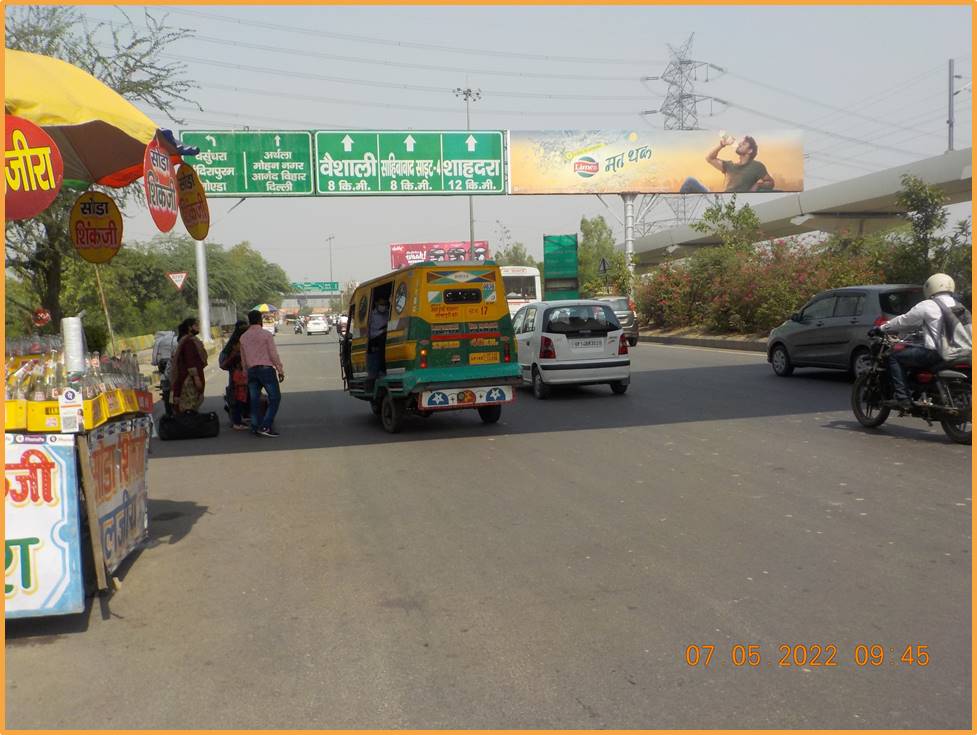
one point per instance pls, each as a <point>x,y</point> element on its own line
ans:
<point>831,330</point>
<point>624,311</point>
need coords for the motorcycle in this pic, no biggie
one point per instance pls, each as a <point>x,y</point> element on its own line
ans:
<point>940,393</point>
<point>298,328</point>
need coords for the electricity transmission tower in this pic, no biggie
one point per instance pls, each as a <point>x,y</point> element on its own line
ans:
<point>680,111</point>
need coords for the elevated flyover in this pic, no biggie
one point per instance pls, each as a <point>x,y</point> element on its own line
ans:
<point>858,206</point>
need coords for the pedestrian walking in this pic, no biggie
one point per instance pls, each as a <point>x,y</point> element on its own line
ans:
<point>259,357</point>
<point>237,379</point>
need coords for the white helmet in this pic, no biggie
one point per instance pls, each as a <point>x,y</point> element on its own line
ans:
<point>938,283</point>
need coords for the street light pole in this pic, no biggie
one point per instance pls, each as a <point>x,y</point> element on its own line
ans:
<point>329,241</point>
<point>469,95</point>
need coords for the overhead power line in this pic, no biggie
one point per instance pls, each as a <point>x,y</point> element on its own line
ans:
<point>308,53</point>
<point>397,85</point>
<point>418,108</point>
<point>468,51</point>
<point>820,103</point>
<point>829,133</point>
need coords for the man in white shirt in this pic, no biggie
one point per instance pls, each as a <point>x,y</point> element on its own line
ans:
<point>927,313</point>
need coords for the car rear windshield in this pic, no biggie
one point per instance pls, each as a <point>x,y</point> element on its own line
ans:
<point>618,304</point>
<point>582,318</point>
<point>896,303</point>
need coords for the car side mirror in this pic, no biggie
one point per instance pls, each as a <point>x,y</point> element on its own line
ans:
<point>796,317</point>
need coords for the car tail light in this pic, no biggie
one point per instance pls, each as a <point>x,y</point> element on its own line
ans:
<point>924,377</point>
<point>547,350</point>
<point>622,345</point>
<point>506,356</point>
<point>880,320</point>
<point>423,358</point>
<point>631,305</point>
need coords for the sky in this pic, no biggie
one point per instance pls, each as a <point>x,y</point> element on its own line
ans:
<point>866,85</point>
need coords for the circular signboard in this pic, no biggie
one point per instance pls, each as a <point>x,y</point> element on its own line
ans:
<point>33,168</point>
<point>159,183</point>
<point>193,202</point>
<point>40,317</point>
<point>96,227</point>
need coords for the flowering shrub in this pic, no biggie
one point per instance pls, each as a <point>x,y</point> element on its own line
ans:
<point>733,289</point>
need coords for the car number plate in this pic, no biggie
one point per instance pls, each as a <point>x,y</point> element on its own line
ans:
<point>480,358</point>
<point>588,343</point>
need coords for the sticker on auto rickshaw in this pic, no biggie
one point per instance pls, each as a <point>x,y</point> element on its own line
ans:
<point>458,397</point>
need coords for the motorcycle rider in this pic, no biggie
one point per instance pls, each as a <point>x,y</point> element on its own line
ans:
<point>940,287</point>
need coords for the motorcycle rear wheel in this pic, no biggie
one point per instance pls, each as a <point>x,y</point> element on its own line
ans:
<point>960,431</point>
<point>866,401</point>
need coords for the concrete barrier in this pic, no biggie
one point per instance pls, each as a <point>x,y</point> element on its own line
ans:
<point>691,339</point>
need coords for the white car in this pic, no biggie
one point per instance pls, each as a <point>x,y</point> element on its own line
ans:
<point>578,342</point>
<point>317,325</point>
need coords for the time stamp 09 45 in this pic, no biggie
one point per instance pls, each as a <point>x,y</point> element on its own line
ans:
<point>808,655</point>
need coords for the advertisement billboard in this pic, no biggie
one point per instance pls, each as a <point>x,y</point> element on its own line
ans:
<point>43,533</point>
<point>655,161</point>
<point>404,254</point>
<point>118,453</point>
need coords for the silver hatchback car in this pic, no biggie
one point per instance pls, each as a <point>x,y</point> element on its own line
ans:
<point>625,312</point>
<point>831,330</point>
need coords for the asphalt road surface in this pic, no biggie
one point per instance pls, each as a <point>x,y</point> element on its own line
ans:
<point>549,571</point>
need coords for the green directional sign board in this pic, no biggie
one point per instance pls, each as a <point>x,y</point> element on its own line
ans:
<point>316,287</point>
<point>364,162</point>
<point>236,163</point>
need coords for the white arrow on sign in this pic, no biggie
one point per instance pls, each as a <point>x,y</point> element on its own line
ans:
<point>409,142</point>
<point>347,144</point>
<point>471,143</point>
<point>178,279</point>
<point>278,141</point>
<point>211,139</point>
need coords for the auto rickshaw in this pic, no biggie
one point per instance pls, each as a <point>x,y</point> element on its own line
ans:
<point>448,344</point>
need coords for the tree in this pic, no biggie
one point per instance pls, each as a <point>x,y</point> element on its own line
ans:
<point>597,242</point>
<point>515,254</point>
<point>927,248</point>
<point>37,249</point>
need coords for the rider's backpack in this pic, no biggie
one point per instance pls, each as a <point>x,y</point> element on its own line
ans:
<point>956,332</point>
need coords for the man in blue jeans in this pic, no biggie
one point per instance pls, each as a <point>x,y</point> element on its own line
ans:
<point>259,357</point>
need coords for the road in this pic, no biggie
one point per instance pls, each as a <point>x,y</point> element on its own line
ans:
<point>546,572</point>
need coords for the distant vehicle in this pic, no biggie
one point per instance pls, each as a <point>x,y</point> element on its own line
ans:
<point>522,286</point>
<point>830,330</point>
<point>625,312</point>
<point>577,341</point>
<point>317,324</point>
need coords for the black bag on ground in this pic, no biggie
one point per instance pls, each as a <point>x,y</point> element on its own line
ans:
<point>189,426</point>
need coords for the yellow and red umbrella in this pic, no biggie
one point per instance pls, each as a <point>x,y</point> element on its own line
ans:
<point>101,135</point>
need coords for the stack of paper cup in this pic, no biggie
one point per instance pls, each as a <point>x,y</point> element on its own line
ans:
<point>73,337</point>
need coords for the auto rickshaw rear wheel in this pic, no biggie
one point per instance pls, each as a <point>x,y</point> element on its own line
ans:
<point>490,414</point>
<point>392,413</point>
